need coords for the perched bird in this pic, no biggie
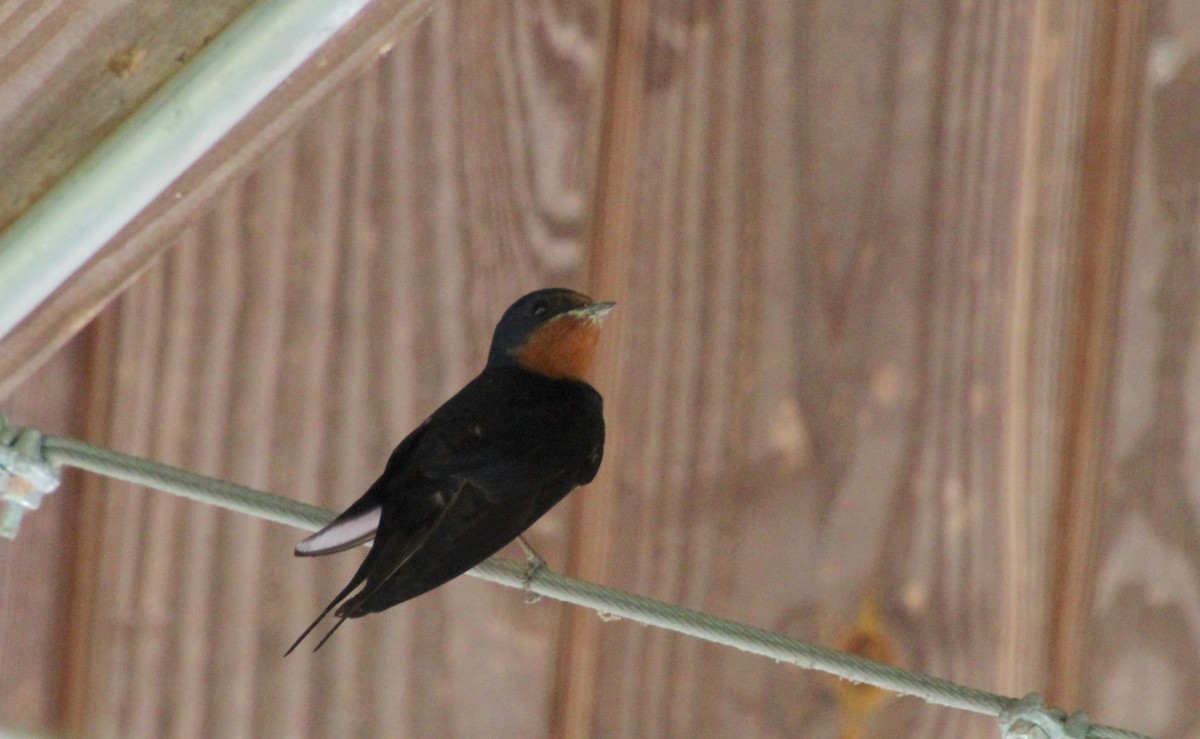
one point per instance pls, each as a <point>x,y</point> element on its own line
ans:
<point>487,464</point>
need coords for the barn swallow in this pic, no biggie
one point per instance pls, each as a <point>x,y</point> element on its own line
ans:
<point>487,464</point>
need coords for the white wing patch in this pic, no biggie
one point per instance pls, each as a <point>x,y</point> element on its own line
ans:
<point>342,534</point>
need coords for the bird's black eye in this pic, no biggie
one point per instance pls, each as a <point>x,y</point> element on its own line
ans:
<point>539,309</point>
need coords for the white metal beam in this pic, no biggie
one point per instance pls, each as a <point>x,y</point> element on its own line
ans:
<point>167,134</point>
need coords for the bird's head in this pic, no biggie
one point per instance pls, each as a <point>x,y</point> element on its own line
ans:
<point>552,332</point>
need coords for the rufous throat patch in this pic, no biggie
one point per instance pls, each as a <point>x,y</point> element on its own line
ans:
<point>563,347</point>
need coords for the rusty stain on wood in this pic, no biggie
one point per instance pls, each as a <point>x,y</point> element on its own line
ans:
<point>868,637</point>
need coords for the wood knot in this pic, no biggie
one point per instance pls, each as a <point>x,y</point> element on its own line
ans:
<point>127,62</point>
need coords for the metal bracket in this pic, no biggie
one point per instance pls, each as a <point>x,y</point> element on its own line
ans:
<point>1029,718</point>
<point>25,475</point>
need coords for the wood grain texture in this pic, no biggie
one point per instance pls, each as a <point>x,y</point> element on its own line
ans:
<point>855,227</point>
<point>611,247</point>
<point>1118,63</point>
<point>871,263</point>
<point>45,144</point>
<point>71,71</point>
<point>327,305</point>
<point>34,571</point>
<point>1143,633</point>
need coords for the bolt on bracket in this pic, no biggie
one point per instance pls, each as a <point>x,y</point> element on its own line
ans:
<point>25,475</point>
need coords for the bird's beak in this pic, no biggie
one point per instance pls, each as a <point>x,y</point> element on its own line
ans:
<point>593,311</point>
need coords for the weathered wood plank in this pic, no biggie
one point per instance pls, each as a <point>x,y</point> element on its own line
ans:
<point>1142,639</point>
<point>845,241</point>
<point>854,299</point>
<point>1113,99</point>
<point>290,341</point>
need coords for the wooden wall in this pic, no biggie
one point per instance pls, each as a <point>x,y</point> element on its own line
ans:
<point>902,363</point>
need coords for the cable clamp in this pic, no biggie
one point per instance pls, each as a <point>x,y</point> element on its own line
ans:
<point>1029,718</point>
<point>25,475</point>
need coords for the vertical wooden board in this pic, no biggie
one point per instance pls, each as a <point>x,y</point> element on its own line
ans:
<point>1144,668</point>
<point>326,307</point>
<point>34,572</point>
<point>832,221</point>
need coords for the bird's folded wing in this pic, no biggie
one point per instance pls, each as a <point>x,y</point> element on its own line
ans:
<point>398,551</point>
<point>358,523</point>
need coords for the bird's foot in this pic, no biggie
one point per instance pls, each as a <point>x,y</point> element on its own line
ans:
<point>534,563</point>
